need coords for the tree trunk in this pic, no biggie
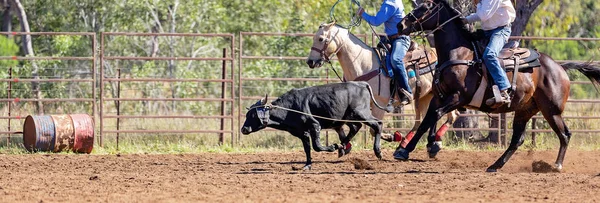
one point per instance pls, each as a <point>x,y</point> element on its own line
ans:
<point>28,49</point>
<point>493,136</point>
<point>172,65</point>
<point>6,17</point>
<point>525,9</point>
<point>467,122</point>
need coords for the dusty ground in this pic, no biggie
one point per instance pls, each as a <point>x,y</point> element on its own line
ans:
<point>268,177</point>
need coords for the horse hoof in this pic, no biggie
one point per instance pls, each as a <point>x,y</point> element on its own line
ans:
<point>401,154</point>
<point>307,167</point>
<point>491,170</point>
<point>434,149</point>
<point>558,167</point>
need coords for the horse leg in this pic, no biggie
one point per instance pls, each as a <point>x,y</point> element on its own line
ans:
<point>346,145</point>
<point>434,141</point>
<point>420,110</point>
<point>557,124</point>
<point>434,114</point>
<point>519,124</point>
<point>433,145</point>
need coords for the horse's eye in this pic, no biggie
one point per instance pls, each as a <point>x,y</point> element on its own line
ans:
<point>320,39</point>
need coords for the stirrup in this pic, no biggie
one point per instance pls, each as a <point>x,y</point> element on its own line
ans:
<point>406,99</point>
<point>499,98</point>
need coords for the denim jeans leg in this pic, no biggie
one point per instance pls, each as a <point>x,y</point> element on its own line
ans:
<point>399,49</point>
<point>498,38</point>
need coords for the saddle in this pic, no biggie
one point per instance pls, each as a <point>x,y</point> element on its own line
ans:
<point>521,57</point>
<point>416,58</point>
<point>511,57</point>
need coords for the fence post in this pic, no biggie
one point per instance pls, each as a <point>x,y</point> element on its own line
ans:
<point>101,105</point>
<point>533,134</point>
<point>504,128</point>
<point>223,86</point>
<point>499,117</point>
<point>9,103</point>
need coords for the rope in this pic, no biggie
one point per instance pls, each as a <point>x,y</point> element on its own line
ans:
<point>355,20</point>
<point>316,116</point>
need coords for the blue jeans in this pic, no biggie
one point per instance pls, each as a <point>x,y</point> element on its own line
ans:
<point>399,49</point>
<point>498,37</point>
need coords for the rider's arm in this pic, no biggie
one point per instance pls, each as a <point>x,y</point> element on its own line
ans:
<point>485,10</point>
<point>385,12</point>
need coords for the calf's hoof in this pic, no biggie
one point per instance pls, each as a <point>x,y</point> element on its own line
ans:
<point>401,154</point>
<point>491,170</point>
<point>307,167</point>
<point>434,149</point>
<point>378,153</point>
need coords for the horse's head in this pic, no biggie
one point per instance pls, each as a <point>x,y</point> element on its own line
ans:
<point>324,45</point>
<point>424,17</point>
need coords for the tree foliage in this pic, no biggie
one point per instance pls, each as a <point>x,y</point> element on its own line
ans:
<point>553,18</point>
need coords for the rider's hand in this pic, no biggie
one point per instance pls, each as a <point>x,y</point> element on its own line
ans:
<point>360,11</point>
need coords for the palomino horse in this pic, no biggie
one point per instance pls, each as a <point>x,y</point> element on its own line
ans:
<point>543,86</point>
<point>359,60</point>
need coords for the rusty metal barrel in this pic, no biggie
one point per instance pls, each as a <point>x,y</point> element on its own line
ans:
<point>64,132</point>
<point>84,133</point>
<point>58,133</point>
<point>38,133</point>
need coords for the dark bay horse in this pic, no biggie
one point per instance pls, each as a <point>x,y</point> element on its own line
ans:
<point>542,89</point>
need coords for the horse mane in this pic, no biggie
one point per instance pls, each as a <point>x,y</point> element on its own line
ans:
<point>352,35</point>
<point>470,35</point>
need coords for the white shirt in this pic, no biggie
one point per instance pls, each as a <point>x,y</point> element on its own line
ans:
<point>493,14</point>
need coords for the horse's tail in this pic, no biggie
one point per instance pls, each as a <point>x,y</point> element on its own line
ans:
<point>388,109</point>
<point>590,71</point>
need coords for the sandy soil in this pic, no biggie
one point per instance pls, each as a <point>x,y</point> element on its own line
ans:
<point>456,176</point>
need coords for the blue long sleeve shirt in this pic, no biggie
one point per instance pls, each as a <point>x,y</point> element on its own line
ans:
<point>390,14</point>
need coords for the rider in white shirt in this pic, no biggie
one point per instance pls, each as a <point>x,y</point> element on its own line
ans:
<point>496,17</point>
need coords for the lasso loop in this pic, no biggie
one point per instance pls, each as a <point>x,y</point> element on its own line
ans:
<point>355,20</point>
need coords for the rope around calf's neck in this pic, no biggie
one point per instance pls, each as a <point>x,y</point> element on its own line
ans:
<point>316,116</point>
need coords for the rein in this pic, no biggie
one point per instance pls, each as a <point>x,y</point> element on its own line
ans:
<point>324,55</point>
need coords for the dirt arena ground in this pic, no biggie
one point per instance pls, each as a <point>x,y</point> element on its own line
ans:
<point>456,176</point>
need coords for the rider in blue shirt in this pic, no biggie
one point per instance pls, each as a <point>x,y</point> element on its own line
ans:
<point>390,14</point>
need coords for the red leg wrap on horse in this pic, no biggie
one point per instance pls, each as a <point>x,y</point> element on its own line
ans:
<point>441,132</point>
<point>348,145</point>
<point>397,137</point>
<point>407,139</point>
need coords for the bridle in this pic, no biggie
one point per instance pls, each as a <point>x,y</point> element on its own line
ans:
<point>327,42</point>
<point>435,10</point>
<point>427,16</point>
